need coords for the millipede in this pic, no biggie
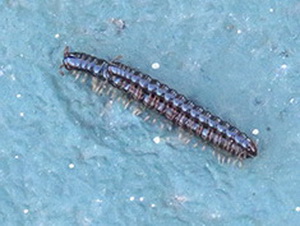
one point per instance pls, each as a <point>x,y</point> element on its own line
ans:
<point>174,106</point>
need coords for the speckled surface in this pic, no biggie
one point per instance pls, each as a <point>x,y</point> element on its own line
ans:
<point>67,158</point>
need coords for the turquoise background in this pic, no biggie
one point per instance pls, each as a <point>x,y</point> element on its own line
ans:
<point>239,59</point>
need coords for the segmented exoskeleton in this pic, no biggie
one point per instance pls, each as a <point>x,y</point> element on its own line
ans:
<point>166,101</point>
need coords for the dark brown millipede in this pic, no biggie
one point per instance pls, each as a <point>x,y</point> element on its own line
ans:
<point>166,101</point>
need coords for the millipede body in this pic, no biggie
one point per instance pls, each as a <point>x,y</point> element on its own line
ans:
<point>166,101</point>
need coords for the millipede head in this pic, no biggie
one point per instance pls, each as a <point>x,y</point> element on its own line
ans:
<point>251,149</point>
<point>64,65</point>
<point>69,62</point>
<point>60,70</point>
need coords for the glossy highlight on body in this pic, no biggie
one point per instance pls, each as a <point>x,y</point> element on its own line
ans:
<point>166,101</point>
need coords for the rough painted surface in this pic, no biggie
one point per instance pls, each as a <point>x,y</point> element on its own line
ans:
<point>62,163</point>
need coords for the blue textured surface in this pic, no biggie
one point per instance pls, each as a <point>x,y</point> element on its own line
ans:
<point>239,59</point>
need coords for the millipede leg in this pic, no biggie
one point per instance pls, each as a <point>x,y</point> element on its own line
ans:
<point>116,58</point>
<point>60,70</point>
<point>113,94</point>
<point>195,145</point>
<point>77,75</point>
<point>137,111</point>
<point>109,90</point>
<point>229,160</point>
<point>147,118</point>
<point>162,125</point>
<point>186,141</point>
<point>101,88</point>
<point>66,51</point>
<point>83,80</point>
<point>240,164</point>
<point>180,135</point>
<point>95,84</point>
<point>127,104</point>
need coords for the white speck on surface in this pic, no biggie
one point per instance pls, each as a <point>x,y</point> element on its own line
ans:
<point>16,156</point>
<point>13,77</point>
<point>180,198</point>
<point>1,73</point>
<point>22,114</point>
<point>71,166</point>
<point>215,215</point>
<point>88,221</point>
<point>18,95</point>
<point>98,200</point>
<point>21,55</point>
<point>57,35</point>
<point>292,100</point>
<point>156,140</point>
<point>155,66</point>
<point>239,31</point>
<point>297,209</point>
<point>132,198</point>
<point>119,23</point>
<point>271,10</point>
<point>283,66</point>
<point>26,211</point>
<point>152,205</point>
<point>142,199</point>
<point>255,132</point>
